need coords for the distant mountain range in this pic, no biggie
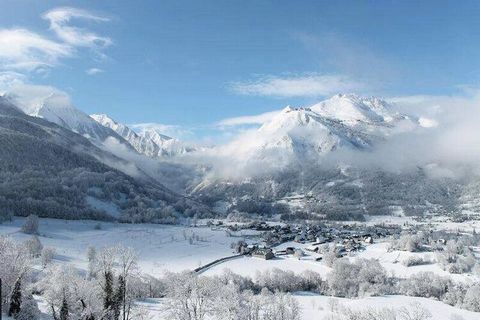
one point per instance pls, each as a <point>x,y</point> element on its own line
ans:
<point>55,109</point>
<point>56,162</point>
<point>97,128</point>
<point>149,142</point>
<point>295,160</point>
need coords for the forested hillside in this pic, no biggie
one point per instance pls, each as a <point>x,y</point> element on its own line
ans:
<point>53,172</point>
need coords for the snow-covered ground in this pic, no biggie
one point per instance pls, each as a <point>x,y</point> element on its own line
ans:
<point>159,247</point>
<point>317,307</point>
<point>176,248</point>
<point>248,266</point>
<point>392,262</point>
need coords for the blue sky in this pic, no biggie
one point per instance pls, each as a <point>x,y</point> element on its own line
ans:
<point>195,63</point>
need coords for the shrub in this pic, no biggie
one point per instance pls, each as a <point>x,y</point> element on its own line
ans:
<point>408,242</point>
<point>415,261</point>
<point>457,257</point>
<point>472,298</point>
<point>359,278</point>
<point>426,284</point>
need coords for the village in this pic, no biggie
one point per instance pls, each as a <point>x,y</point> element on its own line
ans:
<point>345,239</point>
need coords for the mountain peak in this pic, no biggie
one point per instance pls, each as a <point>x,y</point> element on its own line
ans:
<point>56,107</point>
<point>344,120</point>
<point>148,141</point>
<point>288,109</point>
<point>100,117</point>
<point>154,134</point>
<point>353,109</point>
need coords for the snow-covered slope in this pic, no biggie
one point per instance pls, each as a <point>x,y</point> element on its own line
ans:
<point>119,128</point>
<point>167,146</point>
<point>148,141</point>
<point>54,172</point>
<point>57,108</point>
<point>366,114</point>
<point>344,121</point>
<point>290,155</point>
<point>306,131</point>
<point>353,109</point>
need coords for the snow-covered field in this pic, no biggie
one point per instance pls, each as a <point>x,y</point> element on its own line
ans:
<point>175,248</point>
<point>391,261</point>
<point>317,307</point>
<point>159,247</point>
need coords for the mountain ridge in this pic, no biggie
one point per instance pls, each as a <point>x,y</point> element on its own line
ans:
<point>148,141</point>
<point>57,108</point>
<point>51,171</point>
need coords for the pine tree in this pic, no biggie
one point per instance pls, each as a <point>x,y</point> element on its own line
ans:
<point>108,291</point>
<point>29,309</point>
<point>64,310</point>
<point>120,298</point>
<point>16,299</point>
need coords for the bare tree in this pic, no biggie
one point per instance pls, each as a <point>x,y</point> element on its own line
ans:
<point>30,226</point>
<point>127,261</point>
<point>47,256</point>
<point>34,246</point>
<point>191,296</point>
<point>415,312</point>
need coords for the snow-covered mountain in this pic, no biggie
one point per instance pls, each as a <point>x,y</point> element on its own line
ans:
<point>53,172</point>
<point>307,133</point>
<point>149,141</point>
<point>285,158</point>
<point>354,110</point>
<point>288,157</point>
<point>57,108</point>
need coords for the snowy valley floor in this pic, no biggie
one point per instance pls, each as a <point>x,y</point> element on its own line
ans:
<point>316,307</point>
<point>164,248</point>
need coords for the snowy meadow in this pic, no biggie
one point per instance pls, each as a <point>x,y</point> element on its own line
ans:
<point>101,270</point>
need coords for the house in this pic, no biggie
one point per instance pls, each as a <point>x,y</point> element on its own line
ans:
<point>290,250</point>
<point>320,240</point>
<point>312,248</point>
<point>441,241</point>
<point>299,254</point>
<point>240,247</point>
<point>299,238</point>
<point>263,253</point>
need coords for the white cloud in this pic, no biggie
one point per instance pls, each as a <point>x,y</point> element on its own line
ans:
<point>438,106</point>
<point>246,120</point>
<point>9,79</point>
<point>60,19</point>
<point>24,53</point>
<point>21,49</point>
<point>310,85</point>
<point>93,71</point>
<point>427,122</point>
<point>30,97</point>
